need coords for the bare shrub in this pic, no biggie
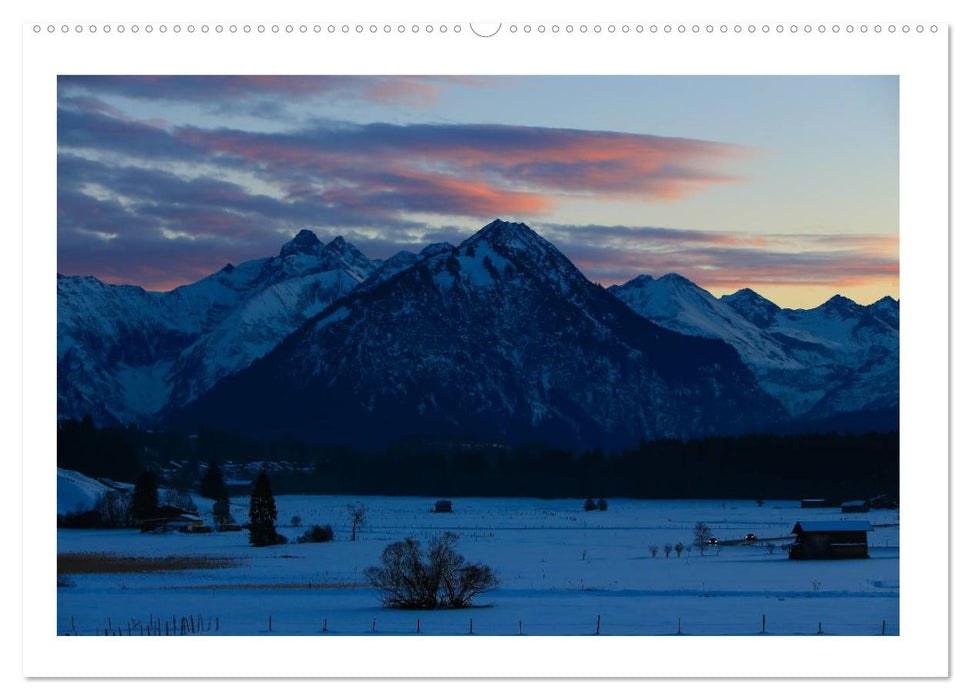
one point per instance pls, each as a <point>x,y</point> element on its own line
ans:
<point>440,578</point>
<point>221,514</point>
<point>653,550</point>
<point>315,534</point>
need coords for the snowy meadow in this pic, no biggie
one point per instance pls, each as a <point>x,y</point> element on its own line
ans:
<point>562,571</point>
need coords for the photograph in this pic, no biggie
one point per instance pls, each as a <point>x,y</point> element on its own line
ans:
<point>496,355</point>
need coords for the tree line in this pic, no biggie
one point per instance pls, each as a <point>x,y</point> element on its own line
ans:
<point>824,465</point>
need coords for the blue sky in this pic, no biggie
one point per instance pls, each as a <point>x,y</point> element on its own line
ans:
<point>787,185</point>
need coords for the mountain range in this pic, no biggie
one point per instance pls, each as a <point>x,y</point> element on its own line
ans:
<point>500,337</point>
<point>128,355</point>
<point>838,358</point>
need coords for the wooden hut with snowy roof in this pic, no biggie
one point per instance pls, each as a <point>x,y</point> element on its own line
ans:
<point>831,539</point>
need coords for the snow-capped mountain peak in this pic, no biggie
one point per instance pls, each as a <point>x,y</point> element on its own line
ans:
<point>677,303</point>
<point>511,236</point>
<point>526,250</point>
<point>752,306</point>
<point>304,243</point>
<point>840,304</point>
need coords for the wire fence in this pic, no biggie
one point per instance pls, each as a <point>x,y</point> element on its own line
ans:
<point>456,625</point>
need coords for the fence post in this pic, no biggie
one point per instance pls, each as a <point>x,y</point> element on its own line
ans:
<point>269,623</point>
<point>325,625</point>
<point>470,625</point>
<point>520,627</point>
<point>679,625</point>
<point>819,630</point>
<point>883,627</point>
<point>598,625</point>
<point>374,624</point>
<point>418,626</point>
<point>763,623</point>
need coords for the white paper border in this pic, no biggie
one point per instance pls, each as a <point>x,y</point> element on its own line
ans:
<point>921,62</point>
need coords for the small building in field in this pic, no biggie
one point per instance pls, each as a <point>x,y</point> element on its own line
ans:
<point>818,503</point>
<point>855,507</point>
<point>836,539</point>
<point>442,507</point>
<point>171,518</point>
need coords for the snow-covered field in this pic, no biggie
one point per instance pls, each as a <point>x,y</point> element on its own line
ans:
<point>560,568</point>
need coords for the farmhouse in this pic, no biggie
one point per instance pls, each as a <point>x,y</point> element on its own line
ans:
<point>839,539</point>
<point>171,518</point>
<point>442,507</point>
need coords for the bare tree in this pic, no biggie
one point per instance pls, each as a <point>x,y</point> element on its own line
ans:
<point>358,515</point>
<point>679,548</point>
<point>702,536</point>
<point>114,507</point>
<point>667,551</point>
<point>653,550</point>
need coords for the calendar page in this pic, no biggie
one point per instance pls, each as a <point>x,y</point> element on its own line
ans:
<point>451,348</point>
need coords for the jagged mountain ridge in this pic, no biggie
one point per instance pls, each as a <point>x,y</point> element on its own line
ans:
<point>499,337</point>
<point>840,357</point>
<point>127,355</point>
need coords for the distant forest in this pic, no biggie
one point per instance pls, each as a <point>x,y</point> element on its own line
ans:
<point>823,465</point>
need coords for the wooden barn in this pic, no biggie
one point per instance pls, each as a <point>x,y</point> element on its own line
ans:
<point>836,539</point>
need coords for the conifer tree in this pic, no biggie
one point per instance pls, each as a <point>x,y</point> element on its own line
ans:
<point>213,485</point>
<point>262,513</point>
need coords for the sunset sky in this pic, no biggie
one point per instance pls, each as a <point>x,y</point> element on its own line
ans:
<point>787,185</point>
